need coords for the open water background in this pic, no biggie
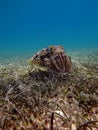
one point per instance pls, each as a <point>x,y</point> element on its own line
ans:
<point>28,26</point>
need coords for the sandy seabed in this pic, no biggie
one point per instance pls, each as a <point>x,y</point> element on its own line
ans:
<point>33,99</point>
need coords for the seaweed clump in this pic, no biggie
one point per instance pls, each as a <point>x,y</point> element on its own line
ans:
<point>41,100</point>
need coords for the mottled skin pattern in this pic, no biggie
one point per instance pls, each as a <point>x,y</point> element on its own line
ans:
<point>53,58</point>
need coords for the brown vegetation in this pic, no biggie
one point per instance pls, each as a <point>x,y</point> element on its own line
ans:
<point>41,100</point>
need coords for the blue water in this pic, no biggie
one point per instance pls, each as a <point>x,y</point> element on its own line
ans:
<point>29,25</point>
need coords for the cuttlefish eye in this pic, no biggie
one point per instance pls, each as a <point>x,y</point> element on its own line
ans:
<point>49,49</point>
